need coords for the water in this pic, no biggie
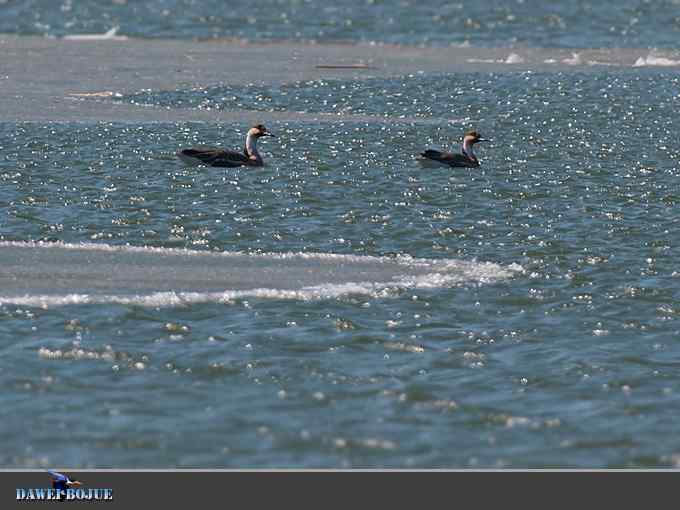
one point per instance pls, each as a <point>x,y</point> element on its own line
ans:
<point>342,306</point>
<point>495,23</point>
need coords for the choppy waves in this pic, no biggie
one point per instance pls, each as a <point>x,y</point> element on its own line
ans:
<point>568,23</point>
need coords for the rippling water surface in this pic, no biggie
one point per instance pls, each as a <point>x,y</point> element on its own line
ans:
<point>343,307</point>
<point>566,23</point>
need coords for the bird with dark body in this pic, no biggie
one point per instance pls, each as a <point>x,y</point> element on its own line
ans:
<point>464,159</point>
<point>211,156</point>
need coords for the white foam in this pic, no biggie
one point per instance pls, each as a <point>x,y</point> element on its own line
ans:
<point>392,276</point>
<point>654,60</point>
<point>482,60</point>
<point>401,259</point>
<point>514,58</point>
<point>106,36</point>
<point>76,353</point>
<point>575,60</point>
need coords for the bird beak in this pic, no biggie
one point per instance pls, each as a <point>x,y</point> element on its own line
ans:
<point>483,140</point>
<point>268,134</point>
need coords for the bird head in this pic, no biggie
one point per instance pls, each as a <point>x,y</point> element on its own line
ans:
<point>472,137</point>
<point>258,131</point>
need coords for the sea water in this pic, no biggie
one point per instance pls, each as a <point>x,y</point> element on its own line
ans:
<point>342,306</point>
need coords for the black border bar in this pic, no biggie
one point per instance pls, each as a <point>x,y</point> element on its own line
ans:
<point>359,489</point>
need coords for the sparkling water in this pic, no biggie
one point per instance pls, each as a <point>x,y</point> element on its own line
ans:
<point>342,306</point>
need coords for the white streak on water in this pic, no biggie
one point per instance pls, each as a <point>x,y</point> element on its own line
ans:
<point>655,61</point>
<point>575,60</point>
<point>512,58</point>
<point>106,36</point>
<point>47,274</point>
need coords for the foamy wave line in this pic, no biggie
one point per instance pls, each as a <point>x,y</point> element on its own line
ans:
<point>110,35</point>
<point>438,274</point>
<point>576,60</point>
<point>512,58</point>
<point>398,259</point>
<point>486,273</point>
<point>654,60</point>
<point>205,253</point>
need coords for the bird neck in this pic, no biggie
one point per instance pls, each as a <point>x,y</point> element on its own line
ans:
<point>468,150</point>
<point>251,147</point>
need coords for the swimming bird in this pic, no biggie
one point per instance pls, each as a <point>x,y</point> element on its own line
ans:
<point>211,156</point>
<point>466,158</point>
